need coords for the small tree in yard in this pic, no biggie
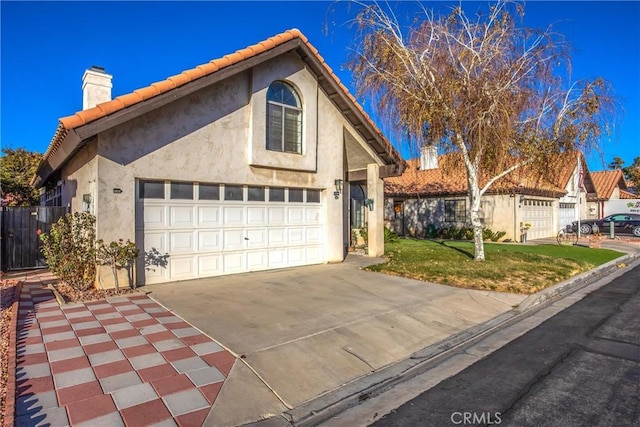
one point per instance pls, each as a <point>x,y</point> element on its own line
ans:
<point>495,94</point>
<point>116,255</point>
<point>69,249</point>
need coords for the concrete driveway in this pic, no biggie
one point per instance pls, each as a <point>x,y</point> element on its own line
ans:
<point>302,332</point>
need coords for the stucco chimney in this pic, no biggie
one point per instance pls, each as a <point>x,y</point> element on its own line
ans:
<point>428,157</point>
<point>96,87</point>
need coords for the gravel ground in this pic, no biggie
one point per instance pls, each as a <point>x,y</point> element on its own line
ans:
<point>6,299</point>
<point>71,294</point>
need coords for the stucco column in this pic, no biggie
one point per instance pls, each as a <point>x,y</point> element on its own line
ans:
<point>375,191</point>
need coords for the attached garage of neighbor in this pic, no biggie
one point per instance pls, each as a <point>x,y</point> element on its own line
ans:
<point>204,229</point>
<point>567,214</point>
<point>538,213</point>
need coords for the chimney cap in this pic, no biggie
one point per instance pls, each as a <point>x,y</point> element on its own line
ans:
<point>98,69</point>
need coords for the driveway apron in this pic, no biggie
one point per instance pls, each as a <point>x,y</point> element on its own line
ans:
<point>302,332</point>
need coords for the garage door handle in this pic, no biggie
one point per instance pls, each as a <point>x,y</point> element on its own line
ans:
<point>246,238</point>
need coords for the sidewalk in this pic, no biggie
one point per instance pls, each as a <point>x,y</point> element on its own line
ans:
<point>123,361</point>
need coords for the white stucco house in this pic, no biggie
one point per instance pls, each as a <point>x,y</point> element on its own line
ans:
<point>428,196</point>
<point>241,164</point>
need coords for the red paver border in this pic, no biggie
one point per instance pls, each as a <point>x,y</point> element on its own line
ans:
<point>10,403</point>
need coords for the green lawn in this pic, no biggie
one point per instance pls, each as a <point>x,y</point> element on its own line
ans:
<point>508,267</point>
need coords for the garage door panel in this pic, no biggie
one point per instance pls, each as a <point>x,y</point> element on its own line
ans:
<point>257,260</point>
<point>277,258</point>
<point>295,235</point>
<point>312,216</point>
<point>181,242</point>
<point>233,215</point>
<point>182,216</point>
<point>154,217</point>
<point>233,262</point>
<point>209,216</point>
<point>182,267</point>
<point>155,241</point>
<point>295,215</point>
<point>209,241</point>
<point>257,238</point>
<point>256,216</point>
<point>155,275</point>
<point>277,215</point>
<point>209,265</point>
<point>295,256</point>
<point>313,235</point>
<point>233,239</point>
<point>313,254</point>
<point>277,236</point>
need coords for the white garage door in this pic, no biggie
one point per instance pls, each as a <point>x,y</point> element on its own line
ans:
<point>538,213</point>
<point>567,214</point>
<point>193,230</point>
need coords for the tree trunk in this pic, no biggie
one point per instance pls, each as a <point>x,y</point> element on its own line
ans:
<point>474,212</point>
<point>114,270</point>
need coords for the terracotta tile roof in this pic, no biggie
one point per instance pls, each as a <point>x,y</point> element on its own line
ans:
<point>628,195</point>
<point>606,181</point>
<point>121,102</point>
<point>437,182</point>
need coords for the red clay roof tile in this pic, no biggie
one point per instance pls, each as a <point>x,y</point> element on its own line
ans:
<point>193,73</point>
<point>628,195</point>
<point>179,79</point>
<point>128,99</point>
<point>69,122</point>
<point>110,107</point>
<point>164,85</point>
<point>450,178</point>
<point>606,181</point>
<point>147,92</point>
<point>91,114</point>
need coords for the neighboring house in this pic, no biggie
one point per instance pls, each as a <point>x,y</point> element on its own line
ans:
<point>240,164</point>
<point>428,196</point>
<point>610,185</point>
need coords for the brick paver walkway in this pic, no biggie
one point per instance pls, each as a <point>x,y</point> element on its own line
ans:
<point>121,361</point>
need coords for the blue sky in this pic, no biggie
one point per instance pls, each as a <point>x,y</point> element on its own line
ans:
<point>46,46</point>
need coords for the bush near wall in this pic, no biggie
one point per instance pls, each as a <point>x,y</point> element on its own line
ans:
<point>466,233</point>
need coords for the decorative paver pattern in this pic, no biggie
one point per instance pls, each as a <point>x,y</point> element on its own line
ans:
<point>123,361</point>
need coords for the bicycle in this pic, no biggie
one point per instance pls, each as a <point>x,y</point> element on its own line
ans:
<point>567,236</point>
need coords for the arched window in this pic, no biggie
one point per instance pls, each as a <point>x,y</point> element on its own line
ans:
<point>284,119</point>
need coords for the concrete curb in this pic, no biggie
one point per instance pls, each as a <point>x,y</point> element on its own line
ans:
<point>10,403</point>
<point>574,282</point>
<point>351,394</point>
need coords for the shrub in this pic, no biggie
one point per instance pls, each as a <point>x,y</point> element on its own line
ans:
<point>364,233</point>
<point>390,236</point>
<point>69,249</point>
<point>466,233</point>
<point>116,255</point>
<point>498,235</point>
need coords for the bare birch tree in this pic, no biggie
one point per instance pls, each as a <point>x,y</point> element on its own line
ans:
<point>496,93</point>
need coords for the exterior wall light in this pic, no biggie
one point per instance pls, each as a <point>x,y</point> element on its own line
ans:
<point>338,183</point>
<point>369,204</point>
